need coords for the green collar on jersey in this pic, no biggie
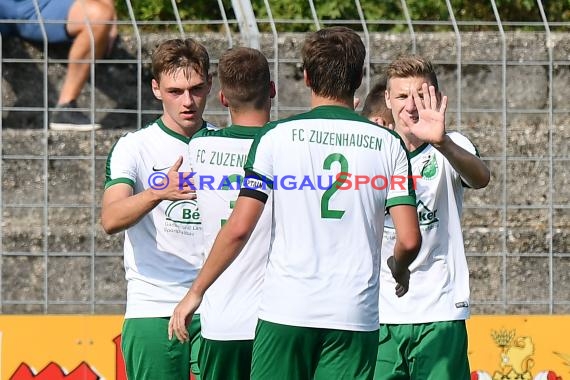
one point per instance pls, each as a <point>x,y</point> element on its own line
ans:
<point>177,135</point>
<point>232,131</point>
<point>240,131</point>
<point>418,150</point>
<point>334,112</point>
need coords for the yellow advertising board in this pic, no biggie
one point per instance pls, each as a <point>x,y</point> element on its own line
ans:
<point>519,347</point>
<point>61,347</point>
<point>88,347</point>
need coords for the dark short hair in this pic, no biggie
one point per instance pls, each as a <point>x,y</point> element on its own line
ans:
<point>244,77</point>
<point>334,61</point>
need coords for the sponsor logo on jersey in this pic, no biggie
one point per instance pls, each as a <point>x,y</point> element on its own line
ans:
<point>425,215</point>
<point>185,212</point>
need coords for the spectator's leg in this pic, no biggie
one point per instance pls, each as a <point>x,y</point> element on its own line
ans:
<point>100,14</point>
<point>114,32</point>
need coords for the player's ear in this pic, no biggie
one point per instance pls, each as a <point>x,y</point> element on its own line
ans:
<point>156,89</point>
<point>355,102</point>
<point>307,79</point>
<point>223,99</point>
<point>272,90</point>
<point>387,99</point>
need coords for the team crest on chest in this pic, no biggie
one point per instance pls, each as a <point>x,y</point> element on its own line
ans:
<point>429,169</point>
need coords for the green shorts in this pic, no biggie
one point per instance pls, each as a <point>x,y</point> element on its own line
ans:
<point>149,355</point>
<point>282,352</point>
<point>426,351</point>
<point>223,360</point>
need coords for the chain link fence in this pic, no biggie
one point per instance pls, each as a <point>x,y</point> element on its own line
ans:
<point>508,88</point>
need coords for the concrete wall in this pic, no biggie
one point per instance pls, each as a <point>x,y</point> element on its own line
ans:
<point>511,213</point>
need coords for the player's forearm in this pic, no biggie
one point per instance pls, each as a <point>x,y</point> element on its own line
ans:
<point>405,252</point>
<point>470,167</point>
<point>408,235</point>
<point>124,213</point>
<point>226,248</point>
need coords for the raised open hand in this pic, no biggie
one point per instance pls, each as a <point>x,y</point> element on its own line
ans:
<point>430,126</point>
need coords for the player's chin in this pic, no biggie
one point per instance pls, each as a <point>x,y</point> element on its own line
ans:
<point>190,122</point>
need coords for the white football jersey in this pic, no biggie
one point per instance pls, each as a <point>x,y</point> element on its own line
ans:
<point>163,251</point>
<point>229,310</point>
<point>439,281</point>
<point>323,268</point>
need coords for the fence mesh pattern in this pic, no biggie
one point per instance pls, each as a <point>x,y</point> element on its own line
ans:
<point>508,88</point>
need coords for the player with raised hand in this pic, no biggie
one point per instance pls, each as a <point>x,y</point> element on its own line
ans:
<point>423,334</point>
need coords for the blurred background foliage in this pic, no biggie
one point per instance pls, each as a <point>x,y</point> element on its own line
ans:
<point>380,15</point>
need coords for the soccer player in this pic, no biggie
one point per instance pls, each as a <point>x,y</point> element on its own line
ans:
<point>229,311</point>
<point>318,316</point>
<point>423,335</point>
<point>147,197</point>
<point>375,108</point>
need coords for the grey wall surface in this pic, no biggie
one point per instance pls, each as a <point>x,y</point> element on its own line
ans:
<point>56,258</point>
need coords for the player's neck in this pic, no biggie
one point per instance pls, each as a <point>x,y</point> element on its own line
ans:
<point>250,118</point>
<point>410,141</point>
<point>190,131</point>
<point>317,101</point>
<point>187,131</point>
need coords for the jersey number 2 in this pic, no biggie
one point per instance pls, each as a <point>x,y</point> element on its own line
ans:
<point>231,179</point>
<point>326,212</point>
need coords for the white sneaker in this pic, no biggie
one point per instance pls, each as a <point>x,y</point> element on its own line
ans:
<point>65,119</point>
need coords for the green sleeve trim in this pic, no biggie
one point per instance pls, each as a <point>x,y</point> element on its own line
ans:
<point>112,182</point>
<point>403,200</point>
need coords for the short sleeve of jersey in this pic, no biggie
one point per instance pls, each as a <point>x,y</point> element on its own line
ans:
<point>259,165</point>
<point>260,157</point>
<point>122,163</point>
<point>463,142</point>
<point>466,144</point>
<point>401,191</point>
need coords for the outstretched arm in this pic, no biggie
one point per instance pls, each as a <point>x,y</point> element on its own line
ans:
<point>471,168</point>
<point>431,129</point>
<point>228,244</point>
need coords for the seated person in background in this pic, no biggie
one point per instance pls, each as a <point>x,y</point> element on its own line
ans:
<point>82,17</point>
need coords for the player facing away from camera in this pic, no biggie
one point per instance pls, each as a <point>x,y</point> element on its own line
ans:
<point>145,197</point>
<point>230,307</point>
<point>318,315</point>
<point>423,335</point>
